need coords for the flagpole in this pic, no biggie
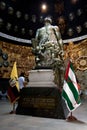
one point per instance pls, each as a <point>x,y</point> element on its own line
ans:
<point>71,117</point>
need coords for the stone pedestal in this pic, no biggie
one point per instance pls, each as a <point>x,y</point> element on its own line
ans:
<point>41,98</point>
<point>41,102</point>
<point>41,78</point>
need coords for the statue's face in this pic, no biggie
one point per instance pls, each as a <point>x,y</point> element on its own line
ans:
<point>47,19</point>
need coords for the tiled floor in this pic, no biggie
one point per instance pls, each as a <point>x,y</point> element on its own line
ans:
<point>22,122</point>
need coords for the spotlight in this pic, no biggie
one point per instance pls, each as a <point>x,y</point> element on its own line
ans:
<point>74,1</point>
<point>44,7</point>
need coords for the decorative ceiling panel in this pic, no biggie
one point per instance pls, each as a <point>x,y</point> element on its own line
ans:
<point>21,18</point>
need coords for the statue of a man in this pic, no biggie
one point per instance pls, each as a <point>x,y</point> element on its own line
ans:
<point>48,49</point>
<point>49,44</point>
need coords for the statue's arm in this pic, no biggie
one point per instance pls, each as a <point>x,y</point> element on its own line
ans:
<point>59,38</point>
<point>37,34</point>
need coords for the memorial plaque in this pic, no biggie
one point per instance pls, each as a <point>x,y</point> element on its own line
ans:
<point>41,102</point>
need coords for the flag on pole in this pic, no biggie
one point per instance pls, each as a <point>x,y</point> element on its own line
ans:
<point>13,89</point>
<point>70,91</point>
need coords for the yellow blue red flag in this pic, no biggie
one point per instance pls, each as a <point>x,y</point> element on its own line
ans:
<point>13,89</point>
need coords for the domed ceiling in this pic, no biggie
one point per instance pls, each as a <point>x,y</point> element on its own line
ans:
<point>19,19</point>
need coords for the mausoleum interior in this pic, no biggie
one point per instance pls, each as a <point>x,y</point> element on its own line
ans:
<point>20,21</point>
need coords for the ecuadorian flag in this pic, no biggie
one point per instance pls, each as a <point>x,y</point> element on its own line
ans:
<point>13,89</point>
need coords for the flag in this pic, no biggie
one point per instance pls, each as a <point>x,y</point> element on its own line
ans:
<point>13,89</point>
<point>70,92</point>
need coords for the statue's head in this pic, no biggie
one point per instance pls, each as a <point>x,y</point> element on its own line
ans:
<point>48,19</point>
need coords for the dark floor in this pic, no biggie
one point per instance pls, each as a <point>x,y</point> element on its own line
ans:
<point>22,122</point>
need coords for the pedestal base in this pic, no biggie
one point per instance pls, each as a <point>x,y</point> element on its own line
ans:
<point>41,78</point>
<point>41,102</point>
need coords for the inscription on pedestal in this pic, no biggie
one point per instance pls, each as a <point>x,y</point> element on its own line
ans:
<point>41,102</point>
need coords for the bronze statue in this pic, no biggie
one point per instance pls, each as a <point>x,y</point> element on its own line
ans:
<point>48,49</point>
<point>47,44</point>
